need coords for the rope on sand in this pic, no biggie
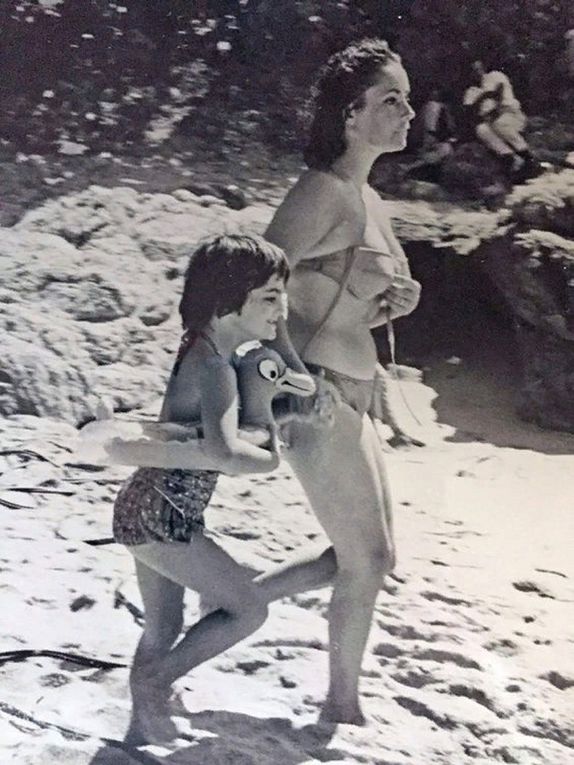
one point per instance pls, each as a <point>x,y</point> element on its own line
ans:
<point>86,661</point>
<point>70,734</point>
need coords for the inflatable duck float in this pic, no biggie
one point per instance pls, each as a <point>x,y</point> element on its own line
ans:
<point>262,377</point>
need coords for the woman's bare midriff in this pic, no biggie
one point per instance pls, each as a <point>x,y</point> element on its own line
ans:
<point>344,343</point>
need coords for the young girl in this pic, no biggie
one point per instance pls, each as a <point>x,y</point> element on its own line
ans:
<point>234,291</point>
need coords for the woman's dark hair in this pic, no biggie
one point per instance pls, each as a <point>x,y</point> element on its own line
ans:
<point>340,86</point>
<point>221,274</point>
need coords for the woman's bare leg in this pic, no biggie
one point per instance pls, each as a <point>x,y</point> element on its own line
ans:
<point>303,572</point>
<point>342,472</point>
<point>204,567</point>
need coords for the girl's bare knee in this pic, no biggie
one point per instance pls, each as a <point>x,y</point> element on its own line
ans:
<point>252,615</point>
<point>249,608</point>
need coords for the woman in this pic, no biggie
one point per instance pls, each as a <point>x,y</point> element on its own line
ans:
<point>349,274</point>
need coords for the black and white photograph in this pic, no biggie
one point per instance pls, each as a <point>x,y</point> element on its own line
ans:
<point>286,382</point>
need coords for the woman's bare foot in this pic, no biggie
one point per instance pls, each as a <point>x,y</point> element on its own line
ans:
<point>333,712</point>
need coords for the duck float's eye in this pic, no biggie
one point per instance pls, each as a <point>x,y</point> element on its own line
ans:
<point>268,369</point>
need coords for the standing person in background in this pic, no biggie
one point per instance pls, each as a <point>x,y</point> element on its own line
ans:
<point>349,274</point>
<point>498,118</point>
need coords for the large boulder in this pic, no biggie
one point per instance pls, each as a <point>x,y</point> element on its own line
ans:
<point>534,271</point>
<point>33,380</point>
<point>525,252</point>
<point>545,203</point>
<point>89,295</point>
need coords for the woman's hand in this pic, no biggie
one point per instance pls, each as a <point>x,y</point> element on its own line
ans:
<point>402,296</point>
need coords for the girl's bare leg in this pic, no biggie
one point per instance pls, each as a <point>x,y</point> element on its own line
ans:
<point>203,566</point>
<point>163,607</point>
<point>342,472</point>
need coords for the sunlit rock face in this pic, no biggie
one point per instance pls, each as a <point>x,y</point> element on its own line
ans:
<point>92,280</point>
<point>89,294</point>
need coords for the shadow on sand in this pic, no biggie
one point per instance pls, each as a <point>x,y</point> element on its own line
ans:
<point>222,738</point>
<point>480,398</point>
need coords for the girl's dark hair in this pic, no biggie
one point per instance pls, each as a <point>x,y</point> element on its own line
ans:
<point>340,86</point>
<point>221,274</point>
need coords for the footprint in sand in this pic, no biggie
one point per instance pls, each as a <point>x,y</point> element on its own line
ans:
<point>388,650</point>
<point>414,679</point>
<point>433,596</point>
<point>251,667</point>
<point>442,657</point>
<point>537,589</point>
<point>503,647</point>
<point>419,709</point>
<point>408,632</point>
<point>559,680</point>
<point>53,680</point>
<point>467,691</point>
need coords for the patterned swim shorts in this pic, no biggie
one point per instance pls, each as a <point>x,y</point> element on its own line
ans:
<point>158,505</point>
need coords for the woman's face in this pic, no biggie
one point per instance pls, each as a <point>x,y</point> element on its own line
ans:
<point>384,119</point>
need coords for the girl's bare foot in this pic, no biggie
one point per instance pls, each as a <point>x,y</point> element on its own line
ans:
<point>151,721</point>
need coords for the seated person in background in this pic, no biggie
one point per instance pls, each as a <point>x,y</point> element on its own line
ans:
<point>498,118</point>
<point>438,127</point>
<point>438,124</point>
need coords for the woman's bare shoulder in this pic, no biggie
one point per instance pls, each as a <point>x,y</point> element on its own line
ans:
<point>320,188</point>
<point>312,208</point>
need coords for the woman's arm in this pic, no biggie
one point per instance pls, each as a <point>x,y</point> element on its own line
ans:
<point>312,209</point>
<point>219,415</point>
<point>400,299</point>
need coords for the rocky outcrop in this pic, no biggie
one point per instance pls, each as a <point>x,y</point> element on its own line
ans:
<point>535,273</point>
<point>91,283</point>
<point>526,251</point>
<point>89,296</point>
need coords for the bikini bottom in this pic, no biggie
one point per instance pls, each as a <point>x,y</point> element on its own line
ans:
<point>358,394</point>
<point>160,505</point>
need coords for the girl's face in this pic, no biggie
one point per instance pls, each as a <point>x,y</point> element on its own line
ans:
<point>384,119</point>
<point>262,310</point>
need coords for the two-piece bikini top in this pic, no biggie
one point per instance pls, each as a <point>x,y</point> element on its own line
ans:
<point>354,269</point>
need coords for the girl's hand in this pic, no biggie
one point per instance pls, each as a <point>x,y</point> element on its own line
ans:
<point>402,296</point>
<point>275,442</point>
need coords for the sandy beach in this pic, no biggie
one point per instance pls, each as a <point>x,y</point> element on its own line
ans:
<point>470,656</point>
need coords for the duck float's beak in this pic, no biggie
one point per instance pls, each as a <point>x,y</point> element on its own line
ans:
<point>298,383</point>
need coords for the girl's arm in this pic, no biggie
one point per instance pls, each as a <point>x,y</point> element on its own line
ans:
<point>161,445</point>
<point>219,415</point>
<point>186,455</point>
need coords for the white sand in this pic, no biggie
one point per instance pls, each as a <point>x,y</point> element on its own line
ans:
<point>470,657</point>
